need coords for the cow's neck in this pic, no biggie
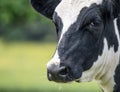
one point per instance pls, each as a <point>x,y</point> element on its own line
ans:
<point>109,77</point>
<point>105,76</point>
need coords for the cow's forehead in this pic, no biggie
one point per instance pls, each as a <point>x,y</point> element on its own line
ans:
<point>71,8</point>
<point>68,11</point>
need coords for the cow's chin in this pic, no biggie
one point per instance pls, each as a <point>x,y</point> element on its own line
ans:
<point>83,80</point>
<point>65,80</point>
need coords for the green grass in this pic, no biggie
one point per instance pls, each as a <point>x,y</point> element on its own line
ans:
<point>23,68</point>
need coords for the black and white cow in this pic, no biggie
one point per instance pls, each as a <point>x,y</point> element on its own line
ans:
<point>89,41</point>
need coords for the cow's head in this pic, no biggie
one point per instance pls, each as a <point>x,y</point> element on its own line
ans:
<point>86,33</point>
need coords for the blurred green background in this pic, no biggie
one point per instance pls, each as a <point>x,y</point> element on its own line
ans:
<point>27,42</point>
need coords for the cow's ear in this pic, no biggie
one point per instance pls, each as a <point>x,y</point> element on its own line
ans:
<point>116,7</point>
<point>45,7</point>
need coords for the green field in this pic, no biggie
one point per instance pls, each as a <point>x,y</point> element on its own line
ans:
<point>23,69</point>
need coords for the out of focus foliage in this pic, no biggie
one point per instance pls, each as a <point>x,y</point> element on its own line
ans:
<point>20,22</point>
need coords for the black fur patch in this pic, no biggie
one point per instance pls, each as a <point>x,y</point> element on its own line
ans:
<point>58,24</point>
<point>117,79</point>
<point>45,7</point>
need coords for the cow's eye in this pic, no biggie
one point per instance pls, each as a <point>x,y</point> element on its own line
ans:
<point>94,24</point>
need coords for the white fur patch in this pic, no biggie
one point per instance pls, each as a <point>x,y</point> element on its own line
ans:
<point>55,61</point>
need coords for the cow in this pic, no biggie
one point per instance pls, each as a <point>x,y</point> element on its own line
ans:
<point>88,41</point>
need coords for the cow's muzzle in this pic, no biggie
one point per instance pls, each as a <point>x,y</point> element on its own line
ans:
<point>59,74</point>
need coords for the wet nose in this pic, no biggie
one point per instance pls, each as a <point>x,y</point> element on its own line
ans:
<point>58,74</point>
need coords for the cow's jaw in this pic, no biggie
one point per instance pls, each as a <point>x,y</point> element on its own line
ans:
<point>103,69</point>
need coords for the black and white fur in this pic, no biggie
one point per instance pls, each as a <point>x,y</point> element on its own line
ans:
<point>89,41</point>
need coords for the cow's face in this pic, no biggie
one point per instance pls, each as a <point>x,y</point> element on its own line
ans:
<point>79,29</point>
<point>82,29</point>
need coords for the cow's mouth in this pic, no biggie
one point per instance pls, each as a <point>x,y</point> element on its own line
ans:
<point>60,78</point>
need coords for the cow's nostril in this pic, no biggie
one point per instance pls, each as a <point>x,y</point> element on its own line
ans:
<point>63,71</point>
